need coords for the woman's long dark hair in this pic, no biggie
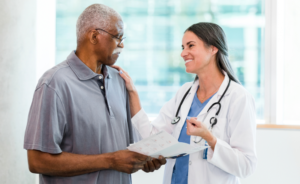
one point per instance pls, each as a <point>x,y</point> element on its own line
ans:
<point>213,34</point>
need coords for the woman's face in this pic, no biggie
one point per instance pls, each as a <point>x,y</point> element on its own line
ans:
<point>195,53</point>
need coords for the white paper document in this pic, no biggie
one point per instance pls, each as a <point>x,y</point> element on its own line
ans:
<point>163,144</point>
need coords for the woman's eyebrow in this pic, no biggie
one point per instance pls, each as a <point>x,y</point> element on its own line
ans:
<point>190,42</point>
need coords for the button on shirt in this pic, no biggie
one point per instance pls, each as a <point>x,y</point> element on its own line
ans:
<point>78,111</point>
<point>181,167</point>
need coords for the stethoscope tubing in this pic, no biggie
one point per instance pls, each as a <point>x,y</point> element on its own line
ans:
<point>177,118</point>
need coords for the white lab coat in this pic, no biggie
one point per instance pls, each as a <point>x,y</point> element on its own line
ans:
<point>234,155</point>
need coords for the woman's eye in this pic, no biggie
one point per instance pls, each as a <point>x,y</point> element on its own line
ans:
<point>191,46</point>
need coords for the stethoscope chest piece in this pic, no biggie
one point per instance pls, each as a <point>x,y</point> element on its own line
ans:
<point>213,121</point>
<point>175,120</point>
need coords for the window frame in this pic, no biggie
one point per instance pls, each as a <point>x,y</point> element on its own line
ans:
<point>273,82</point>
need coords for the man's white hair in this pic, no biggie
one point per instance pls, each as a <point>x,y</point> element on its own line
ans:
<point>95,16</point>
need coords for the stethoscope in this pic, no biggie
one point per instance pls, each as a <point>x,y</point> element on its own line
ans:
<point>213,120</point>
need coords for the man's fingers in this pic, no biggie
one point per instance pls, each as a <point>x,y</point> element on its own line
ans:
<point>146,167</point>
<point>162,160</point>
<point>141,159</point>
<point>151,166</point>
<point>137,167</point>
<point>156,164</point>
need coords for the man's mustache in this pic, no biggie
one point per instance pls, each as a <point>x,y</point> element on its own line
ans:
<point>117,50</point>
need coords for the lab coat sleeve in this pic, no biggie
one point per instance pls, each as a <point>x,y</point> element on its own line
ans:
<point>238,157</point>
<point>146,128</point>
<point>163,121</point>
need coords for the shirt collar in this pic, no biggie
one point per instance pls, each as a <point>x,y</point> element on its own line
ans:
<point>82,71</point>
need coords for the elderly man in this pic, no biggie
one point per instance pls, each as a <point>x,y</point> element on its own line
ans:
<point>79,123</point>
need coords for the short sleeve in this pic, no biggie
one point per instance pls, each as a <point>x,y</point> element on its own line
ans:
<point>46,121</point>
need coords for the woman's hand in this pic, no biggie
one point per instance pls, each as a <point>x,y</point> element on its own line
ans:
<point>197,128</point>
<point>128,81</point>
<point>134,101</point>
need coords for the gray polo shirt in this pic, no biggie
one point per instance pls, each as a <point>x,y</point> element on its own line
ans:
<point>78,111</point>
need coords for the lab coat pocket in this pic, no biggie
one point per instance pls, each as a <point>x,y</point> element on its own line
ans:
<point>214,171</point>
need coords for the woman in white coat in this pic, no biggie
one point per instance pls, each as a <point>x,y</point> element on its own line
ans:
<point>231,154</point>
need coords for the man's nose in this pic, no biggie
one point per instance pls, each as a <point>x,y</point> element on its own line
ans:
<point>121,45</point>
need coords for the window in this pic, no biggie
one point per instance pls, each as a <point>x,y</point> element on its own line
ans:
<point>154,29</point>
<point>282,45</point>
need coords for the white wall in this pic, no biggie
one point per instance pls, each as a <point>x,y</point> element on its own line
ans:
<point>278,157</point>
<point>17,83</point>
<point>278,160</point>
<point>45,36</point>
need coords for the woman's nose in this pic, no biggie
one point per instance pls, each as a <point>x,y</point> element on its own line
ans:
<point>183,53</point>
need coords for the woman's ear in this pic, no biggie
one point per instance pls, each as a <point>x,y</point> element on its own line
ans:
<point>214,50</point>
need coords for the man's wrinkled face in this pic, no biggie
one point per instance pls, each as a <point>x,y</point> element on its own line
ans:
<point>108,48</point>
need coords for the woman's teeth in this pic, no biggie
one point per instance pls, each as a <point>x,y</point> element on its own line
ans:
<point>188,61</point>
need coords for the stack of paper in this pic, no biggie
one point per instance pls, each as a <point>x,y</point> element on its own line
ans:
<point>163,144</point>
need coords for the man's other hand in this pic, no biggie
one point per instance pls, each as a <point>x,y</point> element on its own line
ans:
<point>154,164</point>
<point>128,161</point>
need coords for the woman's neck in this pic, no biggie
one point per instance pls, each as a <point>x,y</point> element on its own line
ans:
<point>210,80</point>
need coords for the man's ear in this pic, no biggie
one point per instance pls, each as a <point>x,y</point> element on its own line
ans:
<point>93,37</point>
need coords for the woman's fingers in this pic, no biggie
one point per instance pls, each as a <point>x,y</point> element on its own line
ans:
<point>195,127</point>
<point>194,122</point>
<point>124,76</point>
<point>189,128</point>
<point>116,67</point>
<point>128,82</point>
<point>121,71</point>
